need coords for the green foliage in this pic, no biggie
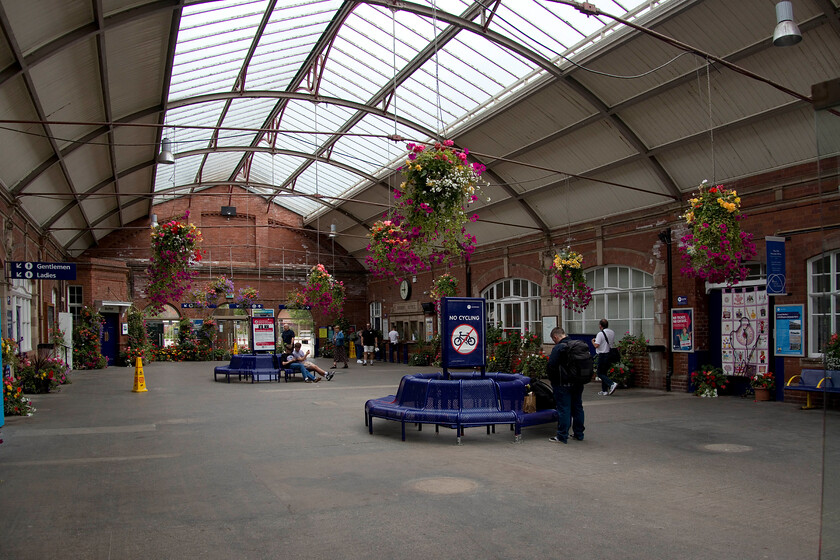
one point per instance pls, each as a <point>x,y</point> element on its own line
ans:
<point>631,346</point>
<point>15,403</point>
<point>707,380</point>
<point>621,373</point>
<point>87,349</point>
<point>42,374</point>
<point>535,365</point>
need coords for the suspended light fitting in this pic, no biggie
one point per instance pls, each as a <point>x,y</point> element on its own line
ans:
<point>332,231</point>
<point>787,32</point>
<point>166,156</point>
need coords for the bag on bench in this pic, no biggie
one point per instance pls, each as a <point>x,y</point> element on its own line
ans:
<point>544,394</point>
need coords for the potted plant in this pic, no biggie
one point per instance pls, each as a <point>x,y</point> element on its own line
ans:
<point>763,384</point>
<point>247,296</point>
<point>831,353</point>
<point>707,380</point>
<point>444,285</point>
<point>570,286</point>
<point>716,249</point>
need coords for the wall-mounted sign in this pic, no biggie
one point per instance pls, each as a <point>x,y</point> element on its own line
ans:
<point>682,300</point>
<point>42,270</point>
<point>776,268</point>
<point>462,340</point>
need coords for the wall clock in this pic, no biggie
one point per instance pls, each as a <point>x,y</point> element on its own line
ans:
<point>405,289</point>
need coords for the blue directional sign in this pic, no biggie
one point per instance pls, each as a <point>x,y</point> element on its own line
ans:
<point>240,306</point>
<point>462,341</point>
<point>42,270</point>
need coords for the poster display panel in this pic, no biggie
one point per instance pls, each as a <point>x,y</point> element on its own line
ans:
<point>789,334</point>
<point>682,330</point>
<point>745,331</point>
<point>263,326</point>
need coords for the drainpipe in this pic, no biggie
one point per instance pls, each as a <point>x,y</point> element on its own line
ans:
<point>665,237</point>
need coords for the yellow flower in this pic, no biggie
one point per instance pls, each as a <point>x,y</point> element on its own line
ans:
<point>737,200</point>
<point>417,167</point>
<point>689,217</point>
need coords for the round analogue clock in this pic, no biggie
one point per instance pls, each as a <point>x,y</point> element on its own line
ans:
<point>405,289</point>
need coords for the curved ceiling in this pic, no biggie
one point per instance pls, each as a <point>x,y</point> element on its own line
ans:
<point>576,114</point>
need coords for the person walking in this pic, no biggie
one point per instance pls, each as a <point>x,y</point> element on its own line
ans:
<point>603,343</point>
<point>569,396</point>
<point>340,348</point>
<point>394,343</point>
<point>370,341</point>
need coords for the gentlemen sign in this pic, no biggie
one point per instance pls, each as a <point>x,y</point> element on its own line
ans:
<point>42,270</point>
<point>463,332</point>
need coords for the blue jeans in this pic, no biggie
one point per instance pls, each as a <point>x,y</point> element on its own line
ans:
<point>603,367</point>
<point>569,400</point>
<point>297,366</point>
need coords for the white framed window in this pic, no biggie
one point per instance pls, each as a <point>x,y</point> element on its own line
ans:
<point>20,328</point>
<point>376,316</point>
<point>823,300</point>
<point>620,294</point>
<point>74,303</point>
<point>514,304</point>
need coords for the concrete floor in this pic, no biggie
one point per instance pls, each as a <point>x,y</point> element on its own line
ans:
<point>201,469</point>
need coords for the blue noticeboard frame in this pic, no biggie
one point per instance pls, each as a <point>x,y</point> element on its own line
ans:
<point>789,330</point>
<point>462,340</point>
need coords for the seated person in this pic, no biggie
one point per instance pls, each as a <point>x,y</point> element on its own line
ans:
<point>300,358</point>
<point>288,361</point>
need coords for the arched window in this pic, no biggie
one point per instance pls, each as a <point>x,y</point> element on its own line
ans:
<point>823,300</point>
<point>620,294</point>
<point>515,305</point>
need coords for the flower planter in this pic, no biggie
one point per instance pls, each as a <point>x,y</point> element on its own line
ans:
<point>762,394</point>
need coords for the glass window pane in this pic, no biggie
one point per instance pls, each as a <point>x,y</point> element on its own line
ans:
<point>599,309</point>
<point>638,306</point>
<point>612,277</point>
<point>821,265</point>
<point>623,278</point>
<point>638,279</point>
<point>623,305</point>
<point>517,285</point>
<point>598,284</point>
<point>820,283</point>
<point>649,309</point>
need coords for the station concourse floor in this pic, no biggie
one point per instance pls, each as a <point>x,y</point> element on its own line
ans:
<point>200,469</point>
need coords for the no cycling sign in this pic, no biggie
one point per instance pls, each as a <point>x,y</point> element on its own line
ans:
<point>463,321</point>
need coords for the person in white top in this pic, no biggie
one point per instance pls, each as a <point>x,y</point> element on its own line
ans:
<point>300,357</point>
<point>393,346</point>
<point>603,343</point>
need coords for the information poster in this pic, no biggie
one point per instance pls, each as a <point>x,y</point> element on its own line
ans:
<point>682,330</point>
<point>745,331</point>
<point>263,321</point>
<point>462,340</point>
<point>788,333</point>
<point>549,322</point>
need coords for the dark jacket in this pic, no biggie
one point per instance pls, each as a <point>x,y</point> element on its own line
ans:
<point>556,362</point>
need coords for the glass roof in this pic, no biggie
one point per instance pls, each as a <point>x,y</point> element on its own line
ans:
<point>350,58</point>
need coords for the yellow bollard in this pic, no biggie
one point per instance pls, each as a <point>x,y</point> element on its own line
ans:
<point>139,378</point>
<point>235,349</point>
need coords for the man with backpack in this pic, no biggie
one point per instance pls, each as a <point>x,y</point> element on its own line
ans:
<point>607,355</point>
<point>569,369</point>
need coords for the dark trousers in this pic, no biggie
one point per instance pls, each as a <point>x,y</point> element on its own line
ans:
<point>570,409</point>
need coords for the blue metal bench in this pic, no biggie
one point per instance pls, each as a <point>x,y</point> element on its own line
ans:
<point>814,381</point>
<point>253,366</point>
<point>467,400</point>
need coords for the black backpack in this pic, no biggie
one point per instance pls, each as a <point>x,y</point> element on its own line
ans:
<point>578,368</point>
<point>544,394</point>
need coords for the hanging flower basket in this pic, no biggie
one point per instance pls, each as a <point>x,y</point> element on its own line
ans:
<point>444,285</point>
<point>570,287</point>
<point>247,296</point>
<point>716,249</point>
<point>175,248</point>
<point>428,223</point>
<point>217,288</point>
<point>321,291</point>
